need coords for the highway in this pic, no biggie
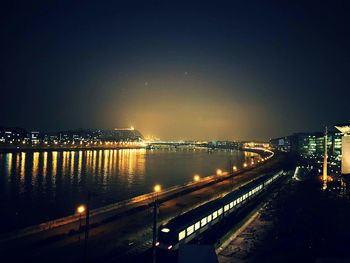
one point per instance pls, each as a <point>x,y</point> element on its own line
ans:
<point>125,233</point>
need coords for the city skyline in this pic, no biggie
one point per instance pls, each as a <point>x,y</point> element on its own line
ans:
<point>176,70</point>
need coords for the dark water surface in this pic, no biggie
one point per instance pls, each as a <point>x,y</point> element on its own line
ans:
<point>38,186</point>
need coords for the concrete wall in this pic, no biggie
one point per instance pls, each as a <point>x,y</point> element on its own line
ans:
<point>345,162</point>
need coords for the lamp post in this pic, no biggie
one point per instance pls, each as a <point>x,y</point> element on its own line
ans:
<point>87,222</point>
<point>157,188</point>
<point>80,210</point>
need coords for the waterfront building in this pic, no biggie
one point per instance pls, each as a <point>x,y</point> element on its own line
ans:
<point>345,150</point>
<point>311,148</point>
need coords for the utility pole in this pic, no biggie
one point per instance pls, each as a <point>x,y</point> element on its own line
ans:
<point>157,189</point>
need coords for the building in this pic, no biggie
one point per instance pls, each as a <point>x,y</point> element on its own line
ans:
<point>345,150</point>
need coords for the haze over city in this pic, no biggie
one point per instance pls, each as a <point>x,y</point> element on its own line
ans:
<point>176,69</point>
<point>170,131</point>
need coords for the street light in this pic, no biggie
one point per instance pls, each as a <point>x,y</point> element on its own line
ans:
<point>218,172</point>
<point>234,168</point>
<point>87,225</point>
<point>245,165</point>
<point>157,188</point>
<point>80,210</point>
<point>196,178</point>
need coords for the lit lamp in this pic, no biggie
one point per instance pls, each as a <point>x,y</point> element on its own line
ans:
<point>157,188</point>
<point>196,178</point>
<point>234,168</point>
<point>245,165</point>
<point>80,210</point>
<point>218,172</point>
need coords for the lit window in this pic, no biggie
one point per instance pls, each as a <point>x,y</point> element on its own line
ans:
<point>190,230</point>
<point>197,226</point>
<point>182,235</point>
<point>209,218</point>
<point>215,214</point>
<point>165,230</point>
<point>226,207</point>
<point>220,211</point>
<point>203,221</point>
<point>231,205</point>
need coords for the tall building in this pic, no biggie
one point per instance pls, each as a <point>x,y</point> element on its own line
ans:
<point>345,148</point>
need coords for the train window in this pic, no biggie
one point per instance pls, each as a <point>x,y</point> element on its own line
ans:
<point>220,211</point>
<point>215,214</point>
<point>234,203</point>
<point>197,226</point>
<point>237,201</point>
<point>204,221</point>
<point>209,218</point>
<point>231,205</point>
<point>165,230</point>
<point>190,230</point>
<point>182,235</point>
<point>226,207</point>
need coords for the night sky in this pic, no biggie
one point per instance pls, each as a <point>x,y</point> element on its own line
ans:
<point>176,70</point>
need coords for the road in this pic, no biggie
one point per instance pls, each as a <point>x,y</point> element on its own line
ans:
<point>126,234</point>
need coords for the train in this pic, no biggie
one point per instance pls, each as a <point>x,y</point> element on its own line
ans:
<point>185,227</point>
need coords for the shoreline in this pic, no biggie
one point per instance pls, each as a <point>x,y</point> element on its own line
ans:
<point>62,149</point>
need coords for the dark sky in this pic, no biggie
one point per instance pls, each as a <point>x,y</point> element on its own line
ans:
<point>176,69</point>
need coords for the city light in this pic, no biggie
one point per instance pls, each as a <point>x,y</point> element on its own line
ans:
<point>234,168</point>
<point>196,177</point>
<point>218,172</point>
<point>81,209</point>
<point>245,165</point>
<point>157,188</point>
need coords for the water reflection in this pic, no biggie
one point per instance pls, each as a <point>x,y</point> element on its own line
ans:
<point>37,186</point>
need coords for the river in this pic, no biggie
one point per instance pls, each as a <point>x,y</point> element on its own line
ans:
<point>39,186</point>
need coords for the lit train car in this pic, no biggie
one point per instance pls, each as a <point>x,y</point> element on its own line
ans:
<point>183,228</point>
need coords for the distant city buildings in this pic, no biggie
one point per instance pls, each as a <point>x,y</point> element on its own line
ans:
<point>310,146</point>
<point>10,136</point>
